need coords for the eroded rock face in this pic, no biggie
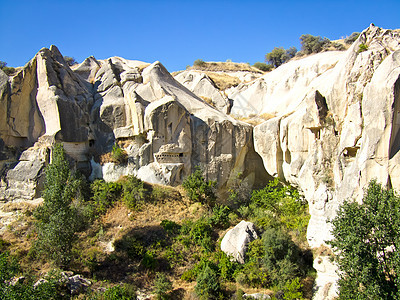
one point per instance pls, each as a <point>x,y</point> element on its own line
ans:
<point>334,127</point>
<point>165,129</point>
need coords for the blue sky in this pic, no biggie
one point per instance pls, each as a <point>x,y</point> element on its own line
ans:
<point>179,32</point>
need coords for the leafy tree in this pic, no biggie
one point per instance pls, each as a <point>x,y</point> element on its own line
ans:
<point>366,240</point>
<point>312,44</point>
<point>105,194</point>
<point>58,217</point>
<point>278,56</point>
<point>198,189</point>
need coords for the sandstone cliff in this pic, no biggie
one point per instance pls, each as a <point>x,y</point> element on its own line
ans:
<point>165,128</point>
<point>335,128</point>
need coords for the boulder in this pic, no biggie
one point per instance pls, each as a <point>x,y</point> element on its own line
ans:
<point>236,240</point>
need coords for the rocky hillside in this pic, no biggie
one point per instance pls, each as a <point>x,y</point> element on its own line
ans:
<point>329,124</point>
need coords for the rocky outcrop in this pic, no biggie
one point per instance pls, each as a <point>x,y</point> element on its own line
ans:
<point>334,126</point>
<point>165,129</point>
<point>236,240</point>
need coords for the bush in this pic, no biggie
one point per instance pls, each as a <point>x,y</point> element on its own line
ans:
<point>131,246</point>
<point>312,44</point>
<point>105,194</point>
<point>198,189</point>
<point>199,232</point>
<point>133,192</point>
<point>366,241</point>
<point>118,155</point>
<point>118,292</point>
<point>24,290</point>
<point>277,205</point>
<point>199,63</point>
<point>162,285</point>
<point>282,257</point>
<point>70,60</point>
<point>7,70</point>
<point>220,216</point>
<point>362,48</point>
<point>352,38</point>
<point>208,286</point>
<point>263,66</point>
<point>170,227</point>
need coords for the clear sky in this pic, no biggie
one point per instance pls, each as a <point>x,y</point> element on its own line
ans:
<point>179,32</point>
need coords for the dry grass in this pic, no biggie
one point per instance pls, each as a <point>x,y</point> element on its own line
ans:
<point>223,81</point>
<point>225,67</point>
<point>208,100</point>
<point>256,120</point>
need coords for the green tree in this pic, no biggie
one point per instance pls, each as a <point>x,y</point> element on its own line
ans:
<point>58,217</point>
<point>198,189</point>
<point>312,44</point>
<point>263,66</point>
<point>366,240</point>
<point>279,55</point>
<point>276,57</point>
<point>208,286</point>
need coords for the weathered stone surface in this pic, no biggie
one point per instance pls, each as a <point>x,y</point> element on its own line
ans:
<point>336,127</point>
<point>236,240</point>
<point>203,86</point>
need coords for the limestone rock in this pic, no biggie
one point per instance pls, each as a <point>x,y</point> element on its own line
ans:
<point>334,126</point>
<point>236,240</point>
<point>203,86</point>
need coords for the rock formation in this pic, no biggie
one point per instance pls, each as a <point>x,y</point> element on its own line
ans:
<point>334,122</point>
<point>165,129</point>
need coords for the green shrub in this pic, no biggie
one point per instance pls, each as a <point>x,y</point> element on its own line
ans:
<point>9,267</point>
<point>133,192</point>
<point>162,285</point>
<point>362,48</point>
<point>220,216</point>
<point>7,70</point>
<point>70,60</point>
<point>118,154</point>
<point>352,38</point>
<point>312,44</point>
<point>263,66</point>
<point>226,266</point>
<point>198,189</point>
<point>199,63</point>
<point>208,286</point>
<point>170,227</point>
<point>105,194</point>
<point>131,246</point>
<point>118,292</point>
<point>292,290</point>
<point>282,257</point>
<point>198,232</point>
<point>277,205</point>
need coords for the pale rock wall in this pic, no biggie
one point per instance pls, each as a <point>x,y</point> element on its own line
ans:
<point>336,128</point>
